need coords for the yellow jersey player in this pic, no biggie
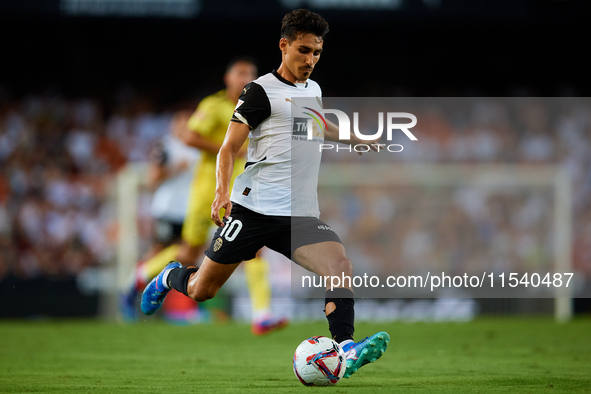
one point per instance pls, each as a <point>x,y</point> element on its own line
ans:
<point>206,130</point>
<point>274,202</point>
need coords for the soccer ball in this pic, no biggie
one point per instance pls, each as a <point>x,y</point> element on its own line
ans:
<point>319,361</point>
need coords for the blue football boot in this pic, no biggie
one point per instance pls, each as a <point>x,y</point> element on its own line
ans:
<point>155,293</point>
<point>364,352</point>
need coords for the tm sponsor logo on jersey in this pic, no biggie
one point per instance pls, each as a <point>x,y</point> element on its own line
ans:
<point>305,129</point>
<point>310,127</point>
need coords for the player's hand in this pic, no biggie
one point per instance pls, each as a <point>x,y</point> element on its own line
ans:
<point>373,144</point>
<point>220,201</point>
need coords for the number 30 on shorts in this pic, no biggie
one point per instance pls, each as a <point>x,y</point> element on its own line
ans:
<point>231,229</point>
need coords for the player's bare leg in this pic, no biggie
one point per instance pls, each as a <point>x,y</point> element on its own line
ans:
<point>329,259</point>
<point>200,284</point>
<point>259,287</point>
<point>324,258</point>
<point>204,283</point>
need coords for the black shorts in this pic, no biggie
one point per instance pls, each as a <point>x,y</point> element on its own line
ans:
<point>246,231</point>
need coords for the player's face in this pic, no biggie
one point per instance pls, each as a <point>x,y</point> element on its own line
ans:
<point>239,75</point>
<point>302,54</point>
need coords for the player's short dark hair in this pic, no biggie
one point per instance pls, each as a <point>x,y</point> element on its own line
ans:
<point>240,59</point>
<point>303,21</point>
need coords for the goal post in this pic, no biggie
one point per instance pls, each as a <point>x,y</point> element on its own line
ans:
<point>490,176</point>
<point>126,191</point>
<point>563,304</point>
<point>129,183</point>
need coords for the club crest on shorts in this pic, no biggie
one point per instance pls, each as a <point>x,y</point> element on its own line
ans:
<point>218,244</point>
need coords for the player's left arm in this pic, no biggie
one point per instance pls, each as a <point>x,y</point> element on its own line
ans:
<point>235,138</point>
<point>332,134</point>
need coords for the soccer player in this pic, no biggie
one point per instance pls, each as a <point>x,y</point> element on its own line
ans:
<point>206,130</point>
<point>274,201</point>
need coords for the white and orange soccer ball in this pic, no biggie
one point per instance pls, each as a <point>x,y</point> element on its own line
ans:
<point>319,361</point>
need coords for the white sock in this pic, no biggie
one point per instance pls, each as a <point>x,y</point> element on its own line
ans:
<point>165,278</point>
<point>345,342</point>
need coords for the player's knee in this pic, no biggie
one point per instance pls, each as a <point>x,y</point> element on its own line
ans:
<point>202,294</point>
<point>342,266</point>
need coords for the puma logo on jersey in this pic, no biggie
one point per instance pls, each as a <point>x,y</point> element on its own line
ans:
<point>319,100</point>
<point>245,89</point>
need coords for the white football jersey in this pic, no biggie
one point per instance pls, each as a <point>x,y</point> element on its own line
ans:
<point>281,175</point>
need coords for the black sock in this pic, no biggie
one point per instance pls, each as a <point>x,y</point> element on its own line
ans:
<point>341,322</point>
<point>178,278</point>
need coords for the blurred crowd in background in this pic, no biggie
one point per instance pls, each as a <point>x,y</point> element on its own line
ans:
<point>59,158</point>
<point>463,227</point>
<point>58,162</point>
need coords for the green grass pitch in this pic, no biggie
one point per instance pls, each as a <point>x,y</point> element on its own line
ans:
<point>487,355</point>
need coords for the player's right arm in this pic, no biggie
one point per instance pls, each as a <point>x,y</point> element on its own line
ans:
<point>252,109</point>
<point>235,137</point>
